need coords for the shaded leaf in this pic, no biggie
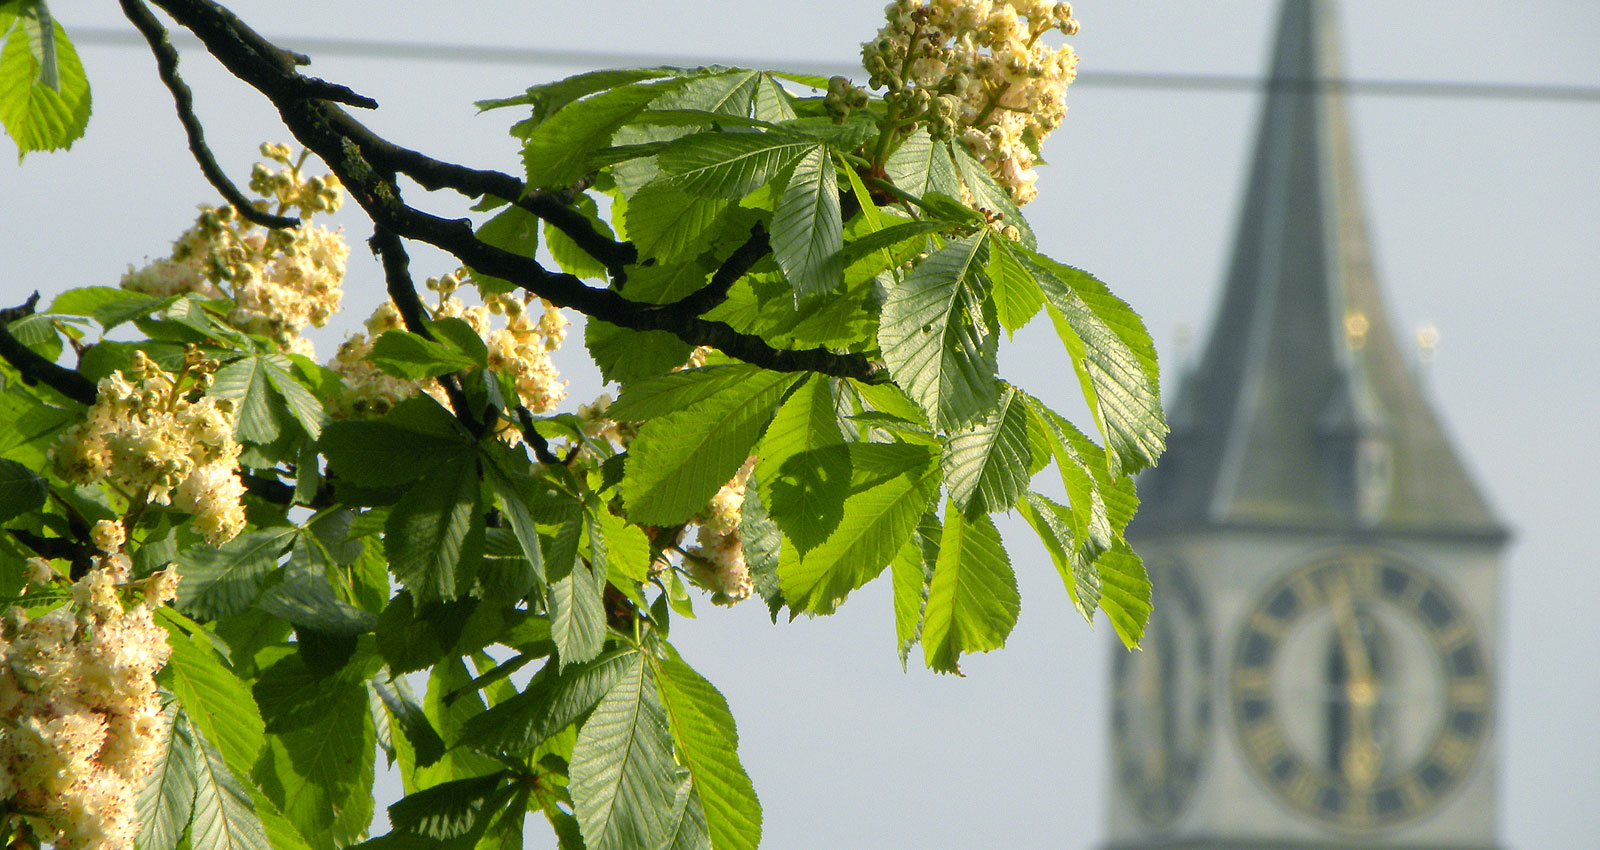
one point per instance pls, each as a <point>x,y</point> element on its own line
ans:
<point>891,485</point>
<point>434,535</point>
<point>552,701</point>
<point>21,490</point>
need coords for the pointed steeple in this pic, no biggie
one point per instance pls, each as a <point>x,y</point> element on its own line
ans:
<point>1302,411</point>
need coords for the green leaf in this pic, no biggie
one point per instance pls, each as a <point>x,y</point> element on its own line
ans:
<point>1115,361</point>
<point>434,535</point>
<point>1084,479</point>
<point>557,150</point>
<point>806,235</point>
<point>627,548</point>
<point>553,700</point>
<point>407,355</point>
<point>911,572</point>
<point>772,103</point>
<point>848,135</point>
<point>301,403</point>
<point>44,95</point>
<point>224,813</point>
<point>321,775</point>
<point>621,775</point>
<point>879,241</point>
<point>449,809</point>
<point>933,341</point>
<point>309,602</point>
<point>387,454</point>
<point>676,391</point>
<point>627,356</point>
<point>216,701</point>
<point>578,615</point>
<point>166,799</point>
<point>680,458</point>
<point>972,599</point>
<point>1054,525</point>
<point>987,194</point>
<point>513,229</point>
<point>402,708</point>
<point>687,827</point>
<point>730,165</point>
<point>1017,296</point>
<point>891,485</point>
<point>245,382</point>
<point>730,93</point>
<point>21,490</point>
<point>548,98</point>
<point>805,421</point>
<point>987,465</point>
<point>920,165</point>
<point>1124,592</point>
<point>573,259</point>
<point>221,581</point>
<point>514,492</point>
<point>667,224</point>
<point>707,745</point>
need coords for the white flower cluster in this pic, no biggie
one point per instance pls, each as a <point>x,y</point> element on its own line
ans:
<point>147,439</point>
<point>80,718</point>
<point>520,348</point>
<point>279,280</point>
<point>979,70</point>
<point>717,563</point>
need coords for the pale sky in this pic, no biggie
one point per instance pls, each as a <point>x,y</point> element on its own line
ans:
<point>1484,213</point>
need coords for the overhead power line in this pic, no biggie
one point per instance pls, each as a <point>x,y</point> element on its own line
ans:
<point>542,56</point>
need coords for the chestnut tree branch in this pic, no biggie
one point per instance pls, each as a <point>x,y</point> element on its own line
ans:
<point>367,166</point>
<point>33,367</point>
<point>167,68</point>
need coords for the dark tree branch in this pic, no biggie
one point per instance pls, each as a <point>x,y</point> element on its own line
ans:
<point>167,68</point>
<point>726,275</point>
<point>33,367</point>
<point>541,447</point>
<point>357,158</point>
<point>403,291</point>
<point>53,548</point>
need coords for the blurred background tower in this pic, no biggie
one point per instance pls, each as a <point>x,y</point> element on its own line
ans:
<point>1320,668</point>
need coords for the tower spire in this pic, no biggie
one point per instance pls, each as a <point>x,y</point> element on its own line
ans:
<point>1302,411</point>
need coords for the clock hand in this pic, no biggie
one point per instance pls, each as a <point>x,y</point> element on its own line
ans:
<point>1361,758</point>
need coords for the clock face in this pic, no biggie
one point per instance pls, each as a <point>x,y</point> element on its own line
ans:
<point>1161,714</point>
<point>1360,690</point>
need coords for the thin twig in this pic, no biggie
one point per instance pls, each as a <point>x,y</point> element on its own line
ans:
<point>403,291</point>
<point>167,68</point>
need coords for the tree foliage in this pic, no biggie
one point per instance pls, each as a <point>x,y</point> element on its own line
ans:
<point>798,289</point>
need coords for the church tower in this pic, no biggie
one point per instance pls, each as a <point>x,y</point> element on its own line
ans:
<point>1320,668</point>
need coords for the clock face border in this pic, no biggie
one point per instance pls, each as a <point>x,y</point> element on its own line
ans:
<point>1453,749</point>
<point>1158,801</point>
